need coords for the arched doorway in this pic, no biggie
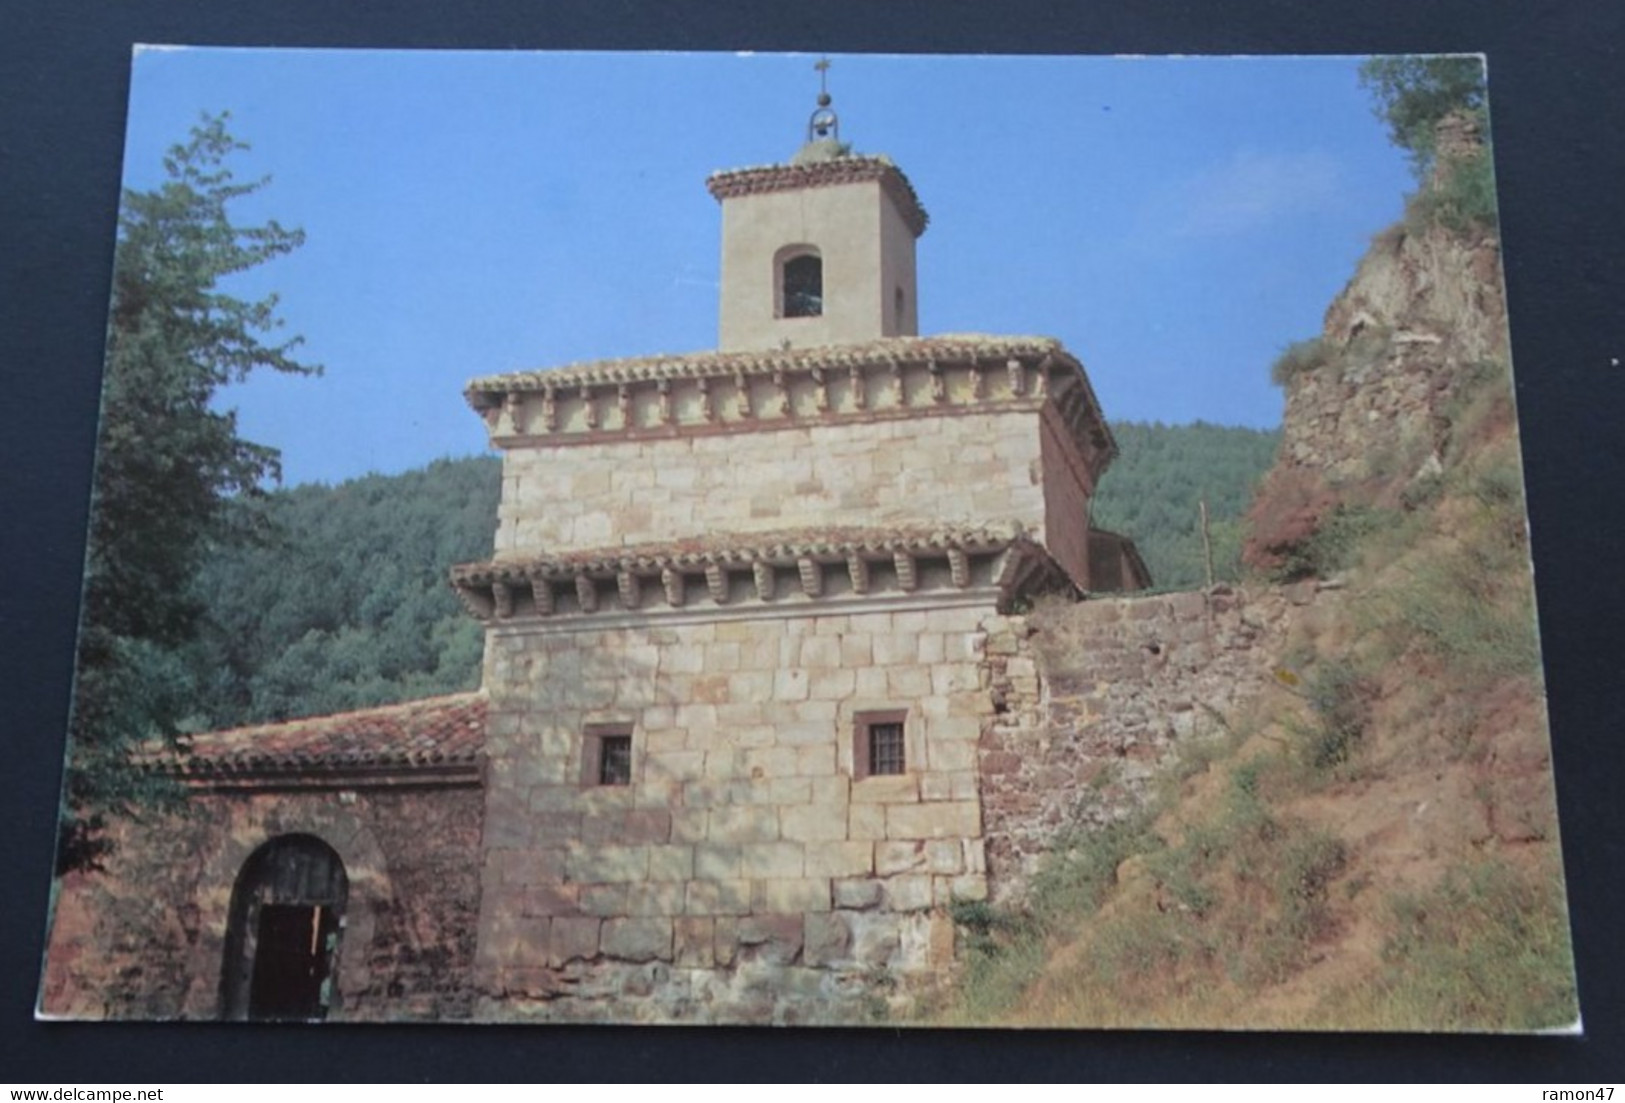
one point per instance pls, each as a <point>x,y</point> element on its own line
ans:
<point>282,939</point>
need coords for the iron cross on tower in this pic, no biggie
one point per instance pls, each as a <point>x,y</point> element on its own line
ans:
<point>823,126</point>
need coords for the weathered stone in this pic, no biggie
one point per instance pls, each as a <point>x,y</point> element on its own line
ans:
<point>573,939</point>
<point>774,939</point>
<point>856,894</point>
<point>950,819</point>
<point>826,939</point>
<point>909,893</point>
<point>637,939</point>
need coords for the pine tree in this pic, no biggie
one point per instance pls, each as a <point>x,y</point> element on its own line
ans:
<point>172,475</point>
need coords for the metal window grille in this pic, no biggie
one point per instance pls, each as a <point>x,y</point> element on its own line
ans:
<point>615,760</point>
<point>886,749</point>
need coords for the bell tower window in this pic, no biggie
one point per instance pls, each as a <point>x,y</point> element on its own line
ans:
<point>801,285</point>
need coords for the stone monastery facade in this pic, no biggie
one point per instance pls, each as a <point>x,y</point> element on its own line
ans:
<point>748,626</point>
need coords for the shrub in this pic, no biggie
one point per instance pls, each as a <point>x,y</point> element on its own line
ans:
<point>1460,198</point>
<point>1333,546</point>
<point>1299,358</point>
<point>1338,697</point>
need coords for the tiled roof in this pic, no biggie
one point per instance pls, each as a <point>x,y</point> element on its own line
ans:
<point>946,348</point>
<point>992,562</point>
<point>438,733</point>
<point>815,174</point>
<point>787,546</point>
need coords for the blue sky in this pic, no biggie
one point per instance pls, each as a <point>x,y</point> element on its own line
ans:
<point>1174,221</point>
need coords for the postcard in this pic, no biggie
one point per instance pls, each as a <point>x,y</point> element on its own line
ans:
<point>782,539</point>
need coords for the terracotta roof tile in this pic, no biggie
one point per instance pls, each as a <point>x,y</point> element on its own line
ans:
<point>815,174</point>
<point>434,732</point>
<point>781,545</point>
<point>945,348</point>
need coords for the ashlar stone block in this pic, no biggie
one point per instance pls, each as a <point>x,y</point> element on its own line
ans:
<point>895,857</point>
<point>911,893</point>
<point>573,939</point>
<point>826,939</point>
<point>743,823</point>
<point>943,819</point>
<point>656,898</point>
<point>693,938</point>
<point>607,863</point>
<point>808,894</point>
<point>717,898</point>
<point>856,893</point>
<point>886,789</point>
<point>813,822</point>
<point>840,859</point>
<point>775,860</point>
<point>640,939</point>
<point>866,821</point>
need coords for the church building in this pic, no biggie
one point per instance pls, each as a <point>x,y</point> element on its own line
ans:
<point>741,667</point>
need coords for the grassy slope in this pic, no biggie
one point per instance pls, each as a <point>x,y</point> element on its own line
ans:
<point>1373,846</point>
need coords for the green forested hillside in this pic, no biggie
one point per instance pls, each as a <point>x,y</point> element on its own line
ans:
<point>347,604</point>
<point>1152,490</point>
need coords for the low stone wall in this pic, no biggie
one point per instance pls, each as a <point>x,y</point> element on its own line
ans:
<point>1091,698</point>
<point>145,938</point>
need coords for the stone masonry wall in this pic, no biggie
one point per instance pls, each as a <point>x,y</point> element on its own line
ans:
<point>973,468</point>
<point>744,875</point>
<point>1091,698</point>
<point>146,938</point>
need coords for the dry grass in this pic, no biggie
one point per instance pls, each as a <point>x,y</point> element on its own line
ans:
<point>1342,860</point>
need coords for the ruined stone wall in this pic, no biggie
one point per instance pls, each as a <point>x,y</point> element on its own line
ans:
<point>976,467</point>
<point>745,874</point>
<point>1091,698</point>
<point>145,939</point>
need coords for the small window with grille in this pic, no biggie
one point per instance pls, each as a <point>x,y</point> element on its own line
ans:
<point>879,745</point>
<point>607,757</point>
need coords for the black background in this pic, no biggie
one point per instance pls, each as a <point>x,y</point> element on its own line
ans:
<point>1559,112</point>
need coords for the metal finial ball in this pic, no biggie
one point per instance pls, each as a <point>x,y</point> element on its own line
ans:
<point>823,99</point>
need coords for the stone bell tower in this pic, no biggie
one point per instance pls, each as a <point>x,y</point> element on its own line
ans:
<point>819,251</point>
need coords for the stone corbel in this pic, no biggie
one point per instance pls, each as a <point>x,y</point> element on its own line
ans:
<point>1018,377</point>
<point>820,391</point>
<point>716,581</point>
<point>672,581</point>
<point>631,592</point>
<point>623,405</point>
<point>894,374</point>
<point>1041,384</point>
<point>550,409</point>
<point>708,413</point>
<point>781,394</point>
<point>857,568</point>
<point>939,388</point>
<point>907,579</point>
<point>959,567</point>
<point>589,411</point>
<point>543,590</point>
<point>664,389</point>
<point>762,572</point>
<point>860,399</point>
<point>978,384</point>
<point>812,576</point>
<point>587,594</point>
<point>512,414</point>
<point>502,600</point>
<point>742,395</point>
